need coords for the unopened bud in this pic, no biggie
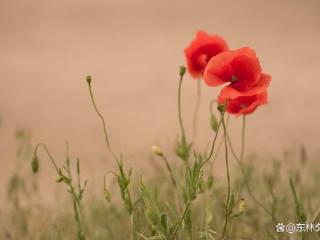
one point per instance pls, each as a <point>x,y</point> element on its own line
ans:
<point>88,78</point>
<point>221,108</point>
<point>35,164</point>
<point>214,122</point>
<point>182,71</point>
<point>156,150</point>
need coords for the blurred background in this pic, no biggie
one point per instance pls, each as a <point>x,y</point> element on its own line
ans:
<point>133,50</point>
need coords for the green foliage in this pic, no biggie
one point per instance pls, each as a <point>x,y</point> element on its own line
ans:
<point>183,149</point>
<point>124,181</point>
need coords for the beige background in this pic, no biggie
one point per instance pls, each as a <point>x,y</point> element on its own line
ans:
<point>133,50</point>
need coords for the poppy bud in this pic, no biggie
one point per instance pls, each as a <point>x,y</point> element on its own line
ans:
<point>242,205</point>
<point>88,78</point>
<point>35,164</point>
<point>156,150</point>
<point>182,71</point>
<point>213,122</point>
<point>221,108</point>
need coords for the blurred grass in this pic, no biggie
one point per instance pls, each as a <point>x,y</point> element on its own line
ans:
<point>290,193</point>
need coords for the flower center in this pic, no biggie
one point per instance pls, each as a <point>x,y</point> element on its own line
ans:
<point>242,106</point>
<point>234,79</point>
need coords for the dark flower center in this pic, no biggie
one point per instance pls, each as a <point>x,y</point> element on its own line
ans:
<point>242,106</point>
<point>234,79</point>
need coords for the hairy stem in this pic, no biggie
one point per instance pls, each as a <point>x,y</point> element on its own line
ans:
<point>102,120</point>
<point>228,178</point>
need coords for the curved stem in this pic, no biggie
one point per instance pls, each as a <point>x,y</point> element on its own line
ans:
<point>44,146</point>
<point>213,145</point>
<point>102,120</point>
<point>228,178</point>
<point>173,180</point>
<point>240,162</point>
<point>196,111</point>
<point>214,140</point>
<point>179,109</point>
<point>210,105</point>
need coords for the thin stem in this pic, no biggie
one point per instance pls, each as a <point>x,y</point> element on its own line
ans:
<point>173,180</point>
<point>214,140</point>
<point>220,143</point>
<point>196,111</point>
<point>102,120</point>
<point>179,109</point>
<point>240,162</point>
<point>181,220</point>
<point>228,177</point>
<point>48,153</point>
<point>243,137</point>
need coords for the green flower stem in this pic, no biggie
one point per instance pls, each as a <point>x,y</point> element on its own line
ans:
<point>214,140</point>
<point>243,137</point>
<point>183,135</point>
<point>103,122</point>
<point>108,145</point>
<point>181,220</point>
<point>196,111</point>
<point>240,162</point>
<point>228,178</point>
<point>173,180</point>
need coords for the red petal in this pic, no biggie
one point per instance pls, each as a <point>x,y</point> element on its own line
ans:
<point>219,70</point>
<point>246,104</point>
<point>229,92</point>
<point>201,50</point>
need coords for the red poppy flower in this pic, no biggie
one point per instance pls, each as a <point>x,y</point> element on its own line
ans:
<point>244,104</point>
<point>201,50</point>
<point>240,68</point>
